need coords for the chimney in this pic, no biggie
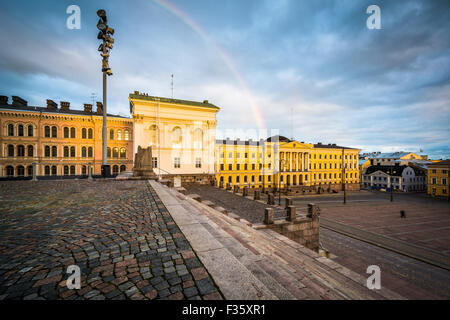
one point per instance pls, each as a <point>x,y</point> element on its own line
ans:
<point>3,99</point>
<point>205,101</point>
<point>19,102</point>
<point>52,105</point>
<point>99,108</point>
<point>136,92</point>
<point>320,143</point>
<point>65,105</point>
<point>88,108</point>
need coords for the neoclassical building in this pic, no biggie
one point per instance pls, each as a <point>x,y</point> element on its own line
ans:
<point>181,134</point>
<point>61,141</point>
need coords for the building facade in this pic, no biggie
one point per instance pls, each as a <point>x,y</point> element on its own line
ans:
<point>282,163</point>
<point>61,141</point>
<point>181,134</point>
<point>400,177</point>
<point>439,179</point>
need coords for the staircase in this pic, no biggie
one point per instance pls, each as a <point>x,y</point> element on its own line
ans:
<point>251,264</point>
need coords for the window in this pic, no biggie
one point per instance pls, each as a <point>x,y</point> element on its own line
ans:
<point>222,167</point>
<point>66,132</point>
<point>111,134</point>
<point>119,134</point>
<point>54,132</point>
<point>66,170</point>
<point>47,131</point>
<point>176,162</point>
<point>108,152</point>
<point>90,133</point>
<point>198,138</point>
<point>245,179</point>
<point>11,133</point>
<point>115,152</point>
<point>47,170</point>
<point>20,171</point>
<point>433,180</point>
<point>269,178</point>
<point>72,170</point>
<point>230,155</point>
<point>54,171</point>
<point>123,153</point>
<point>127,137</point>
<point>83,152</point>
<point>54,151</point>
<point>238,166</point>
<point>246,155</point>
<point>10,171</point>
<point>83,133</point>
<point>72,152</point>
<point>47,151</point>
<point>176,137</point>
<point>20,130</point>
<point>229,179</point>
<point>116,167</point>
<point>20,151</point>
<point>30,130</point>
<point>83,170</point>
<point>237,179</point>
<point>444,181</point>
<point>253,166</point>
<point>90,152</point>
<point>198,162</point>
<point>230,167</point>
<point>154,162</point>
<point>30,170</point>
<point>238,155</point>
<point>123,167</point>
<point>66,151</point>
<point>72,135</point>
<point>30,151</point>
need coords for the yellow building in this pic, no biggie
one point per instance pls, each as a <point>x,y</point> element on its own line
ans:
<point>438,178</point>
<point>181,134</point>
<point>60,141</point>
<point>279,163</point>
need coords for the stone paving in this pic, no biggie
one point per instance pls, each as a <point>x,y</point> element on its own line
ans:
<point>118,232</point>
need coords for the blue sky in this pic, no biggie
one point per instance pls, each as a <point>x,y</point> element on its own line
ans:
<point>385,90</point>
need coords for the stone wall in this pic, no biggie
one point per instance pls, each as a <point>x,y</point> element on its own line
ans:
<point>186,179</point>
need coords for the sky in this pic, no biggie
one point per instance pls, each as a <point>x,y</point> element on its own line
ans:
<point>309,68</point>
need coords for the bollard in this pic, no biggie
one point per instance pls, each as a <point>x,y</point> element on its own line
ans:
<point>312,210</point>
<point>257,195</point>
<point>271,199</point>
<point>288,203</point>
<point>34,171</point>
<point>245,192</point>
<point>291,213</point>
<point>268,216</point>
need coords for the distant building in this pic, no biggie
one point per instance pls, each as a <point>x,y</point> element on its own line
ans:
<point>400,177</point>
<point>388,159</point>
<point>438,178</point>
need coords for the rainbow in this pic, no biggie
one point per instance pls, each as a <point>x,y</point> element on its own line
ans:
<point>194,26</point>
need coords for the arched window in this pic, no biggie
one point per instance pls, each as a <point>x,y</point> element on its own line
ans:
<point>66,132</point>
<point>30,170</point>
<point>72,133</point>
<point>83,152</point>
<point>47,131</point>
<point>30,130</point>
<point>176,137</point>
<point>54,132</point>
<point>72,152</point>
<point>72,170</point>
<point>47,170</point>
<point>123,153</point>
<point>83,133</point>
<point>10,150</point>
<point>11,131</point>
<point>115,169</point>
<point>20,151</point>
<point>66,170</point>
<point>123,168</point>
<point>90,152</point>
<point>153,135</point>
<point>115,152</point>
<point>54,151</point>
<point>90,133</point>
<point>10,171</point>
<point>111,134</point>
<point>83,170</point>
<point>66,151</point>
<point>119,134</point>
<point>198,138</point>
<point>20,171</point>
<point>108,151</point>
<point>47,151</point>
<point>20,130</point>
<point>30,151</point>
<point>54,171</point>
<point>126,135</point>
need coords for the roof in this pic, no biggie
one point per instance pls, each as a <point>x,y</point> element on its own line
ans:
<point>55,111</point>
<point>331,146</point>
<point>204,104</point>
<point>278,138</point>
<point>239,142</point>
<point>396,170</point>
<point>390,155</point>
<point>440,163</point>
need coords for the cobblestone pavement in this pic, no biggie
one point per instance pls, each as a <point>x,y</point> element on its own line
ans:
<point>409,277</point>
<point>247,209</point>
<point>118,232</point>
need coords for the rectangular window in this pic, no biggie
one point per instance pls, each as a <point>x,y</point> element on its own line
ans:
<point>269,178</point>
<point>238,167</point>
<point>433,180</point>
<point>176,162</point>
<point>444,181</point>
<point>245,167</point>
<point>221,167</point>
<point>230,155</point>
<point>230,167</point>
<point>238,155</point>
<point>154,162</point>
<point>253,166</point>
<point>245,179</point>
<point>237,179</point>
<point>198,162</point>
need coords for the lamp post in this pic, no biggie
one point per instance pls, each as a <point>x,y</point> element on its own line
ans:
<point>343,177</point>
<point>105,34</point>
<point>392,187</point>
